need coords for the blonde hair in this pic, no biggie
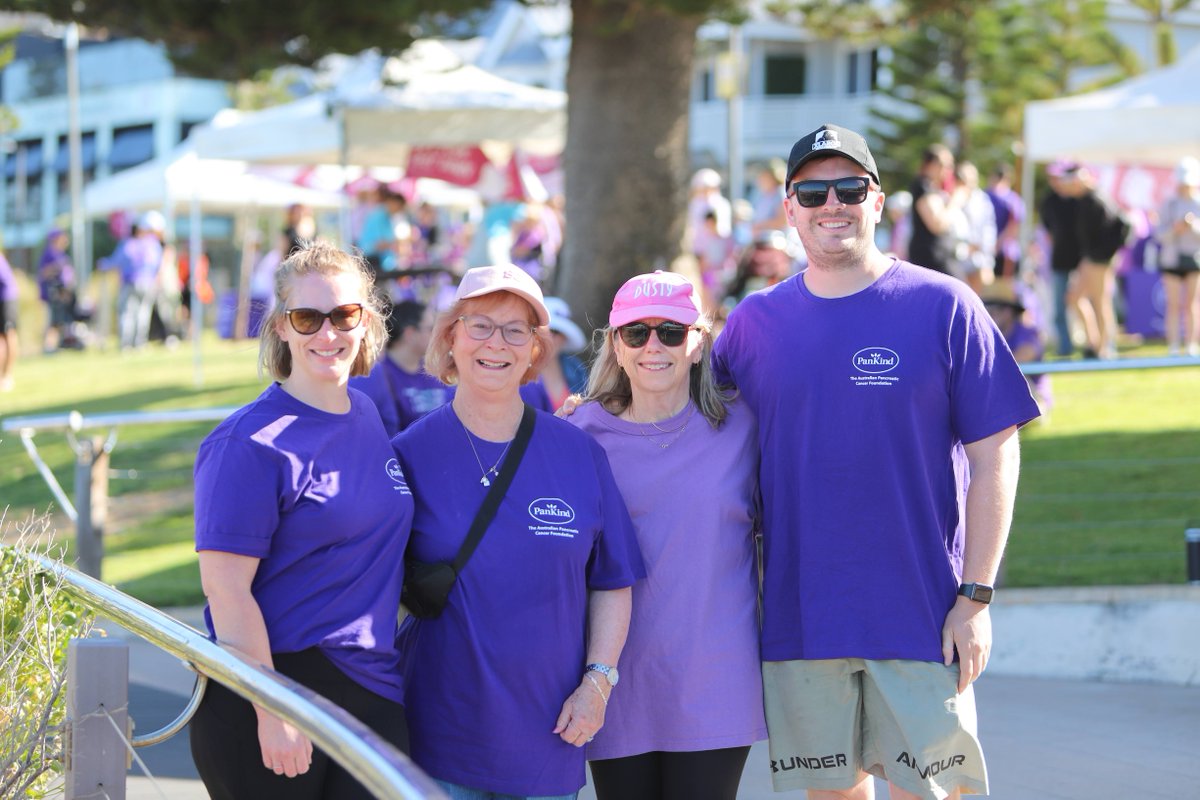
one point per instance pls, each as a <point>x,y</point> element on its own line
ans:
<point>438,359</point>
<point>321,258</point>
<point>609,386</point>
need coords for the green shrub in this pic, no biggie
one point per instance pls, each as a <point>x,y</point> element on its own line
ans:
<point>37,621</point>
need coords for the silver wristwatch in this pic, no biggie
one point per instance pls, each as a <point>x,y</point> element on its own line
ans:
<point>610,673</point>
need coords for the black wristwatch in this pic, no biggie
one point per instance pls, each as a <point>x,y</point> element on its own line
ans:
<point>979,592</point>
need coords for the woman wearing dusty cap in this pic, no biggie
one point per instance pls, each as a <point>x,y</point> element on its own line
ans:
<point>503,693</point>
<point>689,704</point>
<point>302,516</point>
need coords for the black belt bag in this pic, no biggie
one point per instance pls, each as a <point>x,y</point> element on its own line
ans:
<point>427,584</point>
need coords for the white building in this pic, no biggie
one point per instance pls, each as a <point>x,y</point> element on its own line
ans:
<point>132,106</point>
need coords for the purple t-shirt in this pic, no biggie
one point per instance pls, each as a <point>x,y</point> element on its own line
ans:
<point>863,404</point>
<point>690,674</point>
<point>489,677</point>
<point>402,397</point>
<point>320,498</point>
<point>8,281</point>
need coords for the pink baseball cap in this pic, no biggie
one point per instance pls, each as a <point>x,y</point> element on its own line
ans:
<point>657,294</point>
<point>479,281</point>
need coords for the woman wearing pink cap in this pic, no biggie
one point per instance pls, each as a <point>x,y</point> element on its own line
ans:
<point>502,693</point>
<point>689,703</point>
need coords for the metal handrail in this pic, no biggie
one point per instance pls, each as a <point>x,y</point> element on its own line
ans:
<point>374,762</point>
<point>185,716</point>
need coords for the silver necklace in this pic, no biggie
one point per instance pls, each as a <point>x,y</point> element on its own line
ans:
<point>677,431</point>
<point>494,468</point>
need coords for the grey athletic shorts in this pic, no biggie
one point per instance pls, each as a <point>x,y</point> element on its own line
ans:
<point>902,721</point>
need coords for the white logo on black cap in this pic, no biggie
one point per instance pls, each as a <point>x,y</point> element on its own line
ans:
<point>827,140</point>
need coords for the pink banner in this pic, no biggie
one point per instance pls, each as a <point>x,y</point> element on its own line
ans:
<point>458,165</point>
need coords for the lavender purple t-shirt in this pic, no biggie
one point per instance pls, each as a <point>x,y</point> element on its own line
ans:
<point>863,404</point>
<point>488,678</point>
<point>690,675</point>
<point>321,500</point>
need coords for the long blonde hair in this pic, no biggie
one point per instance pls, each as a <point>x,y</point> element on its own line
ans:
<point>321,258</point>
<point>609,386</point>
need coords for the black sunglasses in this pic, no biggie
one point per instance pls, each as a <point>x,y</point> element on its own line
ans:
<point>814,193</point>
<point>306,321</point>
<point>636,334</point>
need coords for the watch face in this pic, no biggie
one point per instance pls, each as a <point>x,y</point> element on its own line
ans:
<point>982,593</point>
<point>610,673</point>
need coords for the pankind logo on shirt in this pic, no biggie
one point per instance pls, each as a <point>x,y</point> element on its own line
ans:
<point>872,365</point>
<point>397,475</point>
<point>553,515</point>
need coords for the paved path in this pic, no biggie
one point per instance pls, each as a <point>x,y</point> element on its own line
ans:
<point>1045,739</point>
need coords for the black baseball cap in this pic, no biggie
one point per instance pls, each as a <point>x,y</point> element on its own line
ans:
<point>830,140</point>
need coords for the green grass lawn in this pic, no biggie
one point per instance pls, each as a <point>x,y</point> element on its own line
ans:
<point>1110,484</point>
<point>150,554</point>
<point>1107,486</point>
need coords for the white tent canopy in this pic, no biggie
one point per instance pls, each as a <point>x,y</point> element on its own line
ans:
<point>173,182</point>
<point>1151,119</point>
<point>426,97</point>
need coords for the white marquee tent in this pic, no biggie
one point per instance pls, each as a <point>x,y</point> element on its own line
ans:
<point>426,97</point>
<point>1150,119</point>
<point>173,182</point>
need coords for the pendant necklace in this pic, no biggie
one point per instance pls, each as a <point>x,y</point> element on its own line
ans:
<point>494,469</point>
<point>677,431</point>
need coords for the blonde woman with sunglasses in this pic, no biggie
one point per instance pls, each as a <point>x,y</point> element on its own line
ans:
<point>689,705</point>
<point>302,516</point>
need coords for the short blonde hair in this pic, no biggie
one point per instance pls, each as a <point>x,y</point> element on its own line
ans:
<point>321,258</point>
<point>438,359</point>
<point>609,386</point>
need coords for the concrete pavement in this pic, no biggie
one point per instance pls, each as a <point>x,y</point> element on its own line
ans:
<point>1045,738</point>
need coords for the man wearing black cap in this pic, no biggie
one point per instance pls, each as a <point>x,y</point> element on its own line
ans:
<point>879,387</point>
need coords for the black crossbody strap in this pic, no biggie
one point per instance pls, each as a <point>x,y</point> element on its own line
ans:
<point>495,494</point>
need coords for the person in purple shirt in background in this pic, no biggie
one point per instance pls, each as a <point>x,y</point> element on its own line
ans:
<point>509,683</point>
<point>56,288</point>
<point>399,385</point>
<point>302,517</point>
<point>888,406</point>
<point>9,346</point>
<point>1004,303</point>
<point>685,455</point>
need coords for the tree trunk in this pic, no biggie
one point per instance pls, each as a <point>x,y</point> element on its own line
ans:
<point>626,167</point>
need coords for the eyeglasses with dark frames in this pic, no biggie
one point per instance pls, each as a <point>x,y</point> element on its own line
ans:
<point>670,334</point>
<point>812,193</point>
<point>480,328</point>
<point>307,321</point>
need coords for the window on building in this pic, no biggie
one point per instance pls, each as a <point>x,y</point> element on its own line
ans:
<point>785,74</point>
<point>23,181</point>
<point>876,65</point>
<point>131,146</point>
<point>62,166</point>
<point>852,86</point>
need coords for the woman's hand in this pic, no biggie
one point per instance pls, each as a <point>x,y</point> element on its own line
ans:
<point>582,715</point>
<point>285,750</point>
<point>569,405</point>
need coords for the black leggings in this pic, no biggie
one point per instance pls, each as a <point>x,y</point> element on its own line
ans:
<point>659,775</point>
<point>224,736</point>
